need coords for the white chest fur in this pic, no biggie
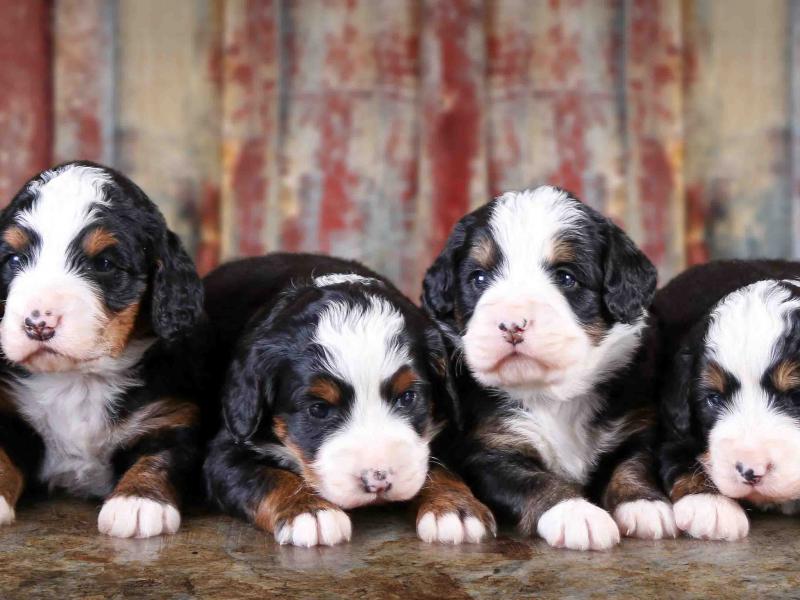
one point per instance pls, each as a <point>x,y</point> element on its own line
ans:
<point>71,412</point>
<point>563,433</point>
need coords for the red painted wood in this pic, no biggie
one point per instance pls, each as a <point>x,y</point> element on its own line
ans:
<point>25,101</point>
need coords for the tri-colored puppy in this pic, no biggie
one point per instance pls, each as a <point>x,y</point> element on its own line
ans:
<point>731,393</point>
<point>545,303</point>
<point>97,298</point>
<point>336,389</point>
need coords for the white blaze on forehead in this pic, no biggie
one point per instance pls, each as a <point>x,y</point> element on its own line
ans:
<point>337,278</point>
<point>525,226</point>
<point>361,346</point>
<point>63,207</point>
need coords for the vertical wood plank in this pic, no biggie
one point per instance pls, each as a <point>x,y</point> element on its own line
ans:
<point>655,213</point>
<point>736,119</point>
<point>794,140</point>
<point>168,106</point>
<point>83,80</point>
<point>25,101</point>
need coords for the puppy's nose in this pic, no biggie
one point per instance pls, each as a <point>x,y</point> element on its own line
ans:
<point>376,480</point>
<point>752,474</point>
<point>513,331</point>
<point>41,326</point>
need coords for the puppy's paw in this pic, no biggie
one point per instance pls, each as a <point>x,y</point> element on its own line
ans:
<point>6,512</point>
<point>646,519</point>
<point>711,517</point>
<point>132,516</point>
<point>326,527</point>
<point>452,528</point>
<point>578,524</point>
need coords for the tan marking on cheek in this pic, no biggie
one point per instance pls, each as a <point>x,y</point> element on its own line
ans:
<point>596,330</point>
<point>289,496</point>
<point>484,253</point>
<point>281,431</point>
<point>444,492</point>
<point>11,480</point>
<point>403,380</point>
<point>148,478</point>
<point>326,390</point>
<point>16,237</point>
<point>118,330</point>
<point>563,251</point>
<point>98,240</point>
<point>786,376</point>
<point>713,377</point>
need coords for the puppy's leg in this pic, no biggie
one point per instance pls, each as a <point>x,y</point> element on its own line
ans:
<point>20,455</point>
<point>244,483</point>
<point>518,485</point>
<point>449,513</point>
<point>158,458</point>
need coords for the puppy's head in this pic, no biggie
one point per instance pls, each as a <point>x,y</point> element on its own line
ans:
<point>350,381</point>
<point>735,390</point>
<point>86,260</point>
<point>541,291</point>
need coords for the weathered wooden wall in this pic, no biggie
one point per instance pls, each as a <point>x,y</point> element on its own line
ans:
<point>365,128</point>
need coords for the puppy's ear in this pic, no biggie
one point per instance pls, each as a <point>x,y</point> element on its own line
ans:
<point>438,287</point>
<point>629,281</point>
<point>445,408</point>
<point>177,301</point>
<point>249,391</point>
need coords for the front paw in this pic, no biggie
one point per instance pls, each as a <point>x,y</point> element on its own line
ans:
<point>6,512</point>
<point>133,516</point>
<point>711,517</point>
<point>455,519</point>
<point>578,525</point>
<point>646,519</point>
<point>326,527</point>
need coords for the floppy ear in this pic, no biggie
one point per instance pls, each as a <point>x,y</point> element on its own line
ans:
<point>629,282</point>
<point>177,301</point>
<point>445,408</point>
<point>438,287</point>
<point>249,390</point>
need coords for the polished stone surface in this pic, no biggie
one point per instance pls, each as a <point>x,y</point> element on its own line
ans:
<point>53,550</point>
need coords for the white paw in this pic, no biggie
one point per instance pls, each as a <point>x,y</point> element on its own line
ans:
<point>578,524</point>
<point>711,517</point>
<point>6,512</point>
<point>449,528</point>
<point>646,519</point>
<point>132,516</point>
<point>325,527</point>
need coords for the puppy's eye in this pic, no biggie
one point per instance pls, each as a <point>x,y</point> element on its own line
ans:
<point>103,264</point>
<point>714,399</point>
<point>479,279</point>
<point>320,410</point>
<point>406,399</point>
<point>13,262</point>
<point>565,279</point>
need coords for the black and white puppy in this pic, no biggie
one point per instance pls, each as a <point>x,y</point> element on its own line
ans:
<point>336,388</point>
<point>731,395</point>
<point>546,301</point>
<point>97,295</point>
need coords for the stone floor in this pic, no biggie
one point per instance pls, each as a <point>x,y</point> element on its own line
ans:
<point>54,551</point>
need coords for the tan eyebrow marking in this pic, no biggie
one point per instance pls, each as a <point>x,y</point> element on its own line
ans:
<point>786,376</point>
<point>563,251</point>
<point>16,237</point>
<point>484,253</point>
<point>98,240</point>
<point>713,377</point>
<point>326,390</point>
<point>403,379</point>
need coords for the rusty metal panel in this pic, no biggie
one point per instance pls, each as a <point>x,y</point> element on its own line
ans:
<point>83,80</point>
<point>736,126</point>
<point>25,101</point>
<point>168,113</point>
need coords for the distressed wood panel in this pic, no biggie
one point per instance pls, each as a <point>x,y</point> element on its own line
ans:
<point>83,80</point>
<point>794,140</point>
<point>25,101</point>
<point>654,215</point>
<point>736,126</point>
<point>168,113</point>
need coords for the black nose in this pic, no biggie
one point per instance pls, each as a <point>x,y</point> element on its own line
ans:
<point>38,329</point>
<point>748,474</point>
<point>376,480</point>
<point>512,331</point>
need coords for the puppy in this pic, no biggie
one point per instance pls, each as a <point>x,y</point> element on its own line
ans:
<point>544,300</point>
<point>97,298</point>
<point>731,395</point>
<point>337,385</point>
